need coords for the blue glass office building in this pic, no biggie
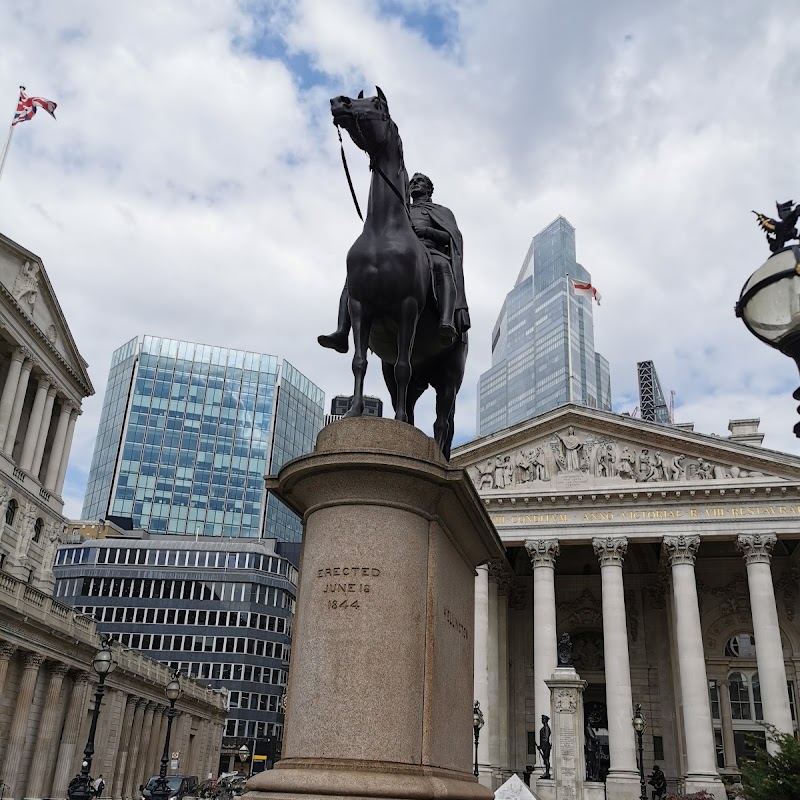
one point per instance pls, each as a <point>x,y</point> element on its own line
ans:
<point>530,371</point>
<point>187,433</point>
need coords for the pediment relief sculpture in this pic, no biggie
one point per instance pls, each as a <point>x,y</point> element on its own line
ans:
<point>571,458</point>
<point>26,286</point>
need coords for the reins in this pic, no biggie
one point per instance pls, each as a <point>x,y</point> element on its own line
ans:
<point>372,166</point>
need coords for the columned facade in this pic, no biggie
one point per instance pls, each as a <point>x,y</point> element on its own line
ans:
<point>671,560</point>
<point>46,700</point>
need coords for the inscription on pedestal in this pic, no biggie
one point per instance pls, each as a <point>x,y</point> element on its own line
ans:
<point>339,594</point>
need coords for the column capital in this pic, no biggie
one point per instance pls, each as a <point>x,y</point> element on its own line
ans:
<point>755,547</point>
<point>75,412</point>
<point>53,390</point>
<point>57,668</point>
<point>7,650</point>
<point>80,678</point>
<point>132,700</point>
<point>610,550</point>
<point>33,660</point>
<point>20,354</point>
<point>496,569</point>
<point>542,552</point>
<point>151,706</point>
<point>681,549</point>
<point>141,701</point>
<point>517,597</point>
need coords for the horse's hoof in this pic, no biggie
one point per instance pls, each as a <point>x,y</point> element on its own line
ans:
<point>401,416</point>
<point>447,334</point>
<point>355,412</point>
<point>335,342</point>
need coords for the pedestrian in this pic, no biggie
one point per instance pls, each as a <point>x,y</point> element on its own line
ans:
<point>98,784</point>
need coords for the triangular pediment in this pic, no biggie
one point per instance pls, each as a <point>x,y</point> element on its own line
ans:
<point>573,449</point>
<point>31,303</point>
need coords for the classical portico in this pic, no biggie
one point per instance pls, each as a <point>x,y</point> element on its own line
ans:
<point>670,558</point>
<point>43,380</point>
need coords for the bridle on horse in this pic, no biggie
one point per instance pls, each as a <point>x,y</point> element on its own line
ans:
<point>365,115</point>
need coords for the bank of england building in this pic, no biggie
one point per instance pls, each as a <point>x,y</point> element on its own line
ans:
<point>670,559</point>
<point>47,684</point>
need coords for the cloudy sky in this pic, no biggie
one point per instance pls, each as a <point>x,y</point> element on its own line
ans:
<point>191,186</point>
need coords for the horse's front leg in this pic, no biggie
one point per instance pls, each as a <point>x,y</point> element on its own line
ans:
<point>407,328</point>
<point>362,323</point>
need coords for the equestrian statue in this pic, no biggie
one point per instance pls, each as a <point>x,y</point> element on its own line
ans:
<point>404,295</point>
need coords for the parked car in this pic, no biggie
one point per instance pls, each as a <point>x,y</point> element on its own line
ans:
<point>180,786</point>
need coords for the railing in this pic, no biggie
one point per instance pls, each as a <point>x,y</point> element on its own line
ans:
<point>44,494</point>
<point>19,474</point>
<point>34,603</point>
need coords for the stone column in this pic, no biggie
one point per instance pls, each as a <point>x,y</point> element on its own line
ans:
<point>19,722</point>
<point>132,778</point>
<point>69,735</point>
<point>757,551</point>
<point>504,734</point>
<point>543,553</point>
<point>59,440</point>
<point>62,469</point>
<point>114,788</point>
<point>44,429</point>
<point>34,423</point>
<point>623,774</point>
<point>481,653</point>
<point>701,770</point>
<point>16,408</point>
<point>10,389</point>
<point>157,740</point>
<point>46,738</point>
<point>7,651</point>
<point>728,744</point>
<point>492,712</point>
<point>142,763</point>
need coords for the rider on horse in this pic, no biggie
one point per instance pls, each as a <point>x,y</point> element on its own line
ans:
<point>436,227</point>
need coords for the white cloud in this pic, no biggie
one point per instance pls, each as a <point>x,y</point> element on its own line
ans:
<point>191,186</point>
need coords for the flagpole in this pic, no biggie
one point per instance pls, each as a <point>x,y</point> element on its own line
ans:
<point>7,145</point>
<point>569,341</point>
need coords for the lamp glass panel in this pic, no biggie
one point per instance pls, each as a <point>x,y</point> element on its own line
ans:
<point>774,312</point>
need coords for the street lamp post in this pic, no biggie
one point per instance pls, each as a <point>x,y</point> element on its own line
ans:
<point>639,724</point>
<point>103,664</point>
<point>477,724</point>
<point>769,305</point>
<point>161,790</point>
<point>244,754</point>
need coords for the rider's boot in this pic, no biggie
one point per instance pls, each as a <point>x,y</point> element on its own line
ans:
<point>446,299</point>
<point>339,340</point>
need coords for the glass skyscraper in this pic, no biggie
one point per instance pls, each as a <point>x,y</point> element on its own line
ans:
<point>530,371</point>
<point>187,433</point>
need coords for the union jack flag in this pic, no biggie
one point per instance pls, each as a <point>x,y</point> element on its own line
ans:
<point>27,107</point>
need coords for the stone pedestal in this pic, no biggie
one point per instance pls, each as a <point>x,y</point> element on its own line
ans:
<point>380,690</point>
<point>568,763</point>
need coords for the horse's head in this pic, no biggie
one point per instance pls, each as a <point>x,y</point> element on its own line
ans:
<point>366,119</point>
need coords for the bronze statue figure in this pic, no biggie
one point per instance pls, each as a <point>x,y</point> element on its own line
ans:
<point>544,747</point>
<point>781,230</point>
<point>404,295</point>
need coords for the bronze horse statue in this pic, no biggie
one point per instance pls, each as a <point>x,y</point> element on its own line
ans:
<point>389,281</point>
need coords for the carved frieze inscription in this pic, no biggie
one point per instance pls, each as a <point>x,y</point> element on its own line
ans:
<point>638,515</point>
<point>346,587</point>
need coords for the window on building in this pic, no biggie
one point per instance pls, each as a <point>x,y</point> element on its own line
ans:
<point>11,511</point>
<point>740,696</point>
<point>742,645</point>
<point>37,529</point>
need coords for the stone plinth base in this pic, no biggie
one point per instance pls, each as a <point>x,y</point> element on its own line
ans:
<point>710,783</point>
<point>593,790</point>
<point>380,690</point>
<point>545,789</point>
<point>622,786</point>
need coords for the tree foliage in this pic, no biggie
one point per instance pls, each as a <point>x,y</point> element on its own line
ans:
<point>773,776</point>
